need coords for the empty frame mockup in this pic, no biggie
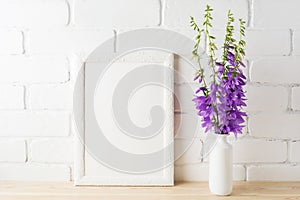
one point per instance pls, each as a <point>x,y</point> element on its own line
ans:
<point>126,129</point>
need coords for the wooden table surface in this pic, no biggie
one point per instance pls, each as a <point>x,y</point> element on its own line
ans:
<point>11,190</point>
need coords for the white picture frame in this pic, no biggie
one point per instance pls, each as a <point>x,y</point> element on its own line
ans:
<point>84,164</point>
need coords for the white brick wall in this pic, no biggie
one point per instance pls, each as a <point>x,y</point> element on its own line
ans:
<point>259,98</point>
<point>12,150</point>
<point>51,150</point>
<point>294,151</point>
<point>187,126</point>
<point>279,70</point>
<point>33,13</point>
<point>269,14</point>
<point>50,97</point>
<point>296,98</point>
<point>296,42</point>
<point>25,123</point>
<point>187,151</point>
<point>117,13</point>
<point>275,125</point>
<point>36,172</point>
<point>11,42</point>
<point>69,41</point>
<point>178,12</point>
<point>47,69</point>
<point>267,43</point>
<point>261,42</point>
<point>13,98</point>
<point>44,42</point>
<point>273,173</point>
<point>259,151</point>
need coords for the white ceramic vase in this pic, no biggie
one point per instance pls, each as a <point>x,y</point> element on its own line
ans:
<point>221,167</point>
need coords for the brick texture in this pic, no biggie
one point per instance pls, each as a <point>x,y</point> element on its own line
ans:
<point>67,41</point>
<point>275,125</point>
<point>117,13</point>
<point>273,173</point>
<point>11,42</point>
<point>178,12</point>
<point>33,13</point>
<point>12,150</point>
<point>296,98</point>
<point>258,98</point>
<point>296,42</point>
<point>34,172</point>
<point>13,98</point>
<point>266,14</point>
<point>294,151</point>
<point>50,97</point>
<point>35,69</point>
<point>21,123</point>
<point>264,151</point>
<point>280,70</point>
<point>52,150</point>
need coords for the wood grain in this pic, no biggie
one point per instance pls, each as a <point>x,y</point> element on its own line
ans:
<point>11,190</point>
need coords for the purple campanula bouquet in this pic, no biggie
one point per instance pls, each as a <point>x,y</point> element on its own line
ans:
<point>220,102</point>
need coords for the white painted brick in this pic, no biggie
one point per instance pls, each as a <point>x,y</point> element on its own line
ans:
<point>294,151</point>
<point>187,151</point>
<point>52,150</point>
<point>188,126</point>
<point>267,42</point>
<point>273,173</point>
<point>23,123</point>
<point>33,13</point>
<point>191,34</point>
<point>188,33</point>
<point>283,70</point>
<point>12,150</point>
<point>194,172</point>
<point>50,97</point>
<point>11,42</point>
<point>184,94</point>
<point>296,98</point>
<point>296,42</point>
<point>13,98</point>
<point>178,12</point>
<point>273,14</point>
<point>256,151</point>
<point>275,125</point>
<point>266,98</point>
<point>117,13</point>
<point>259,42</point>
<point>35,69</point>
<point>30,172</point>
<point>199,172</point>
<point>67,41</point>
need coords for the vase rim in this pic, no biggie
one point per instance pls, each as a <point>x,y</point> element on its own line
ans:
<point>222,135</point>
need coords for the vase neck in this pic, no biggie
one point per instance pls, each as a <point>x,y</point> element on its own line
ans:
<point>222,138</point>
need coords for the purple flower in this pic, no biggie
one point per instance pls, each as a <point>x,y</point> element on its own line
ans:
<point>221,107</point>
<point>229,47</point>
<point>196,77</point>
<point>203,89</point>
